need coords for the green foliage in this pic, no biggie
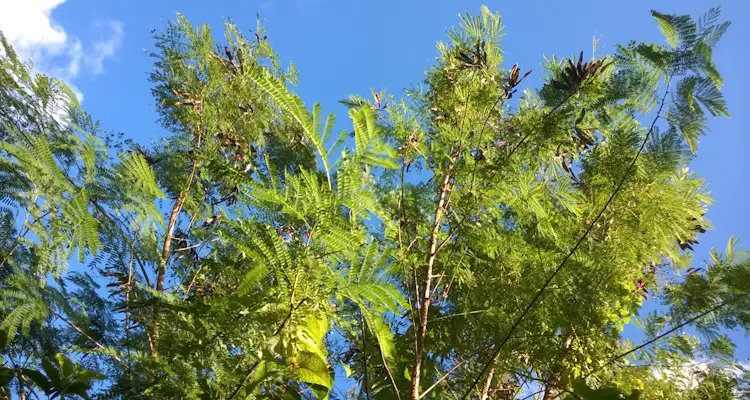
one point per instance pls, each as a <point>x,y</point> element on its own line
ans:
<point>60,378</point>
<point>292,104</point>
<point>25,308</point>
<point>255,253</point>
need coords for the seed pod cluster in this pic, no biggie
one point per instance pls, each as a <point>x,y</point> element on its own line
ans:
<point>573,75</point>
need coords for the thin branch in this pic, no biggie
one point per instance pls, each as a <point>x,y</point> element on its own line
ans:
<point>533,394</point>
<point>18,239</point>
<point>427,281</point>
<point>457,315</point>
<point>242,382</point>
<point>86,335</point>
<point>131,244</point>
<point>442,378</point>
<point>127,307</point>
<point>166,251</point>
<point>364,355</point>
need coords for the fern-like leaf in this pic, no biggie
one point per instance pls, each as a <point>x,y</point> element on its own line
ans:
<point>84,233</point>
<point>291,103</point>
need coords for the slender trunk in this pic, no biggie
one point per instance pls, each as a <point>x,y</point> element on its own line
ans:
<point>21,394</point>
<point>161,273</point>
<point>488,384</point>
<point>127,312</point>
<point>551,384</point>
<point>166,252</point>
<point>416,370</point>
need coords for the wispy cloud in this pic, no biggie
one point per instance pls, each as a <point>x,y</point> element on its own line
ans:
<point>106,46</point>
<point>30,27</point>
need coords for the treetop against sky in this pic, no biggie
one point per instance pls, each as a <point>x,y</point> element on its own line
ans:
<point>508,224</point>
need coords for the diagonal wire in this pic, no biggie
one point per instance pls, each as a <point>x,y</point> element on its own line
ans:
<point>560,266</point>
<point>657,338</point>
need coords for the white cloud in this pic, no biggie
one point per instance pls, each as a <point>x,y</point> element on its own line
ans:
<point>32,31</point>
<point>106,46</point>
<point>29,27</point>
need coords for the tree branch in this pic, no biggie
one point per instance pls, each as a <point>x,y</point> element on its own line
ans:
<point>442,378</point>
<point>425,301</point>
<point>86,335</point>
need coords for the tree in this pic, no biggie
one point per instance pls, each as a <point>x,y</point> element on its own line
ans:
<point>465,241</point>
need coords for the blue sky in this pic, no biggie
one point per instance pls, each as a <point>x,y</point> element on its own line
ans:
<point>345,47</point>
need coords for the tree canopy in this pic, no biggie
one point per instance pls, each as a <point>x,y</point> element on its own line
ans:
<point>474,238</point>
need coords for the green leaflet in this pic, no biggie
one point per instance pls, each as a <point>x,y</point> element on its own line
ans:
<point>292,104</point>
<point>382,333</point>
<point>252,278</point>
<point>678,30</point>
<point>313,369</point>
<point>311,334</point>
<point>370,149</point>
<point>88,149</point>
<point>6,375</point>
<point>84,233</point>
<point>25,307</point>
<point>38,378</point>
<point>138,172</point>
<point>667,27</point>
<point>380,295</point>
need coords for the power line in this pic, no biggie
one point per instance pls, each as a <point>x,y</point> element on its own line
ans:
<point>573,250</point>
<point>657,338</point>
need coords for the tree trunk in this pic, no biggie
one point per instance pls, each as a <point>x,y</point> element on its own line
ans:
<point>166,252</point>
<point>416,370</point>
<point>488,384</point>
<point>551,384</point>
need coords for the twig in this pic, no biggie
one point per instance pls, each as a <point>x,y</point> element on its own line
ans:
<point>442,378</point>
<point>457,315</point>
<point>86,335</point>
